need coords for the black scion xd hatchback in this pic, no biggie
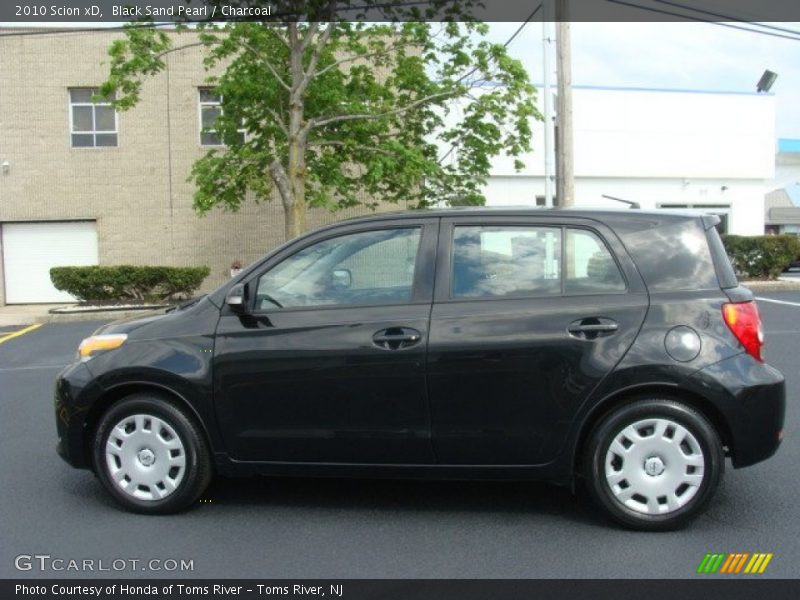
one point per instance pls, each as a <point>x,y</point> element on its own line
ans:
<point>613,349</point>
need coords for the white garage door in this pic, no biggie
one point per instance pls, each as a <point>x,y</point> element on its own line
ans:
<point>30,249</point>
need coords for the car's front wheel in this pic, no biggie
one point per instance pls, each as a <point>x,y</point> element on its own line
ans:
<point>151,455</point>
<point>653,464</point>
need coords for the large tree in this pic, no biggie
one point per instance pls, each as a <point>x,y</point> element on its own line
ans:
<point>341,112</point>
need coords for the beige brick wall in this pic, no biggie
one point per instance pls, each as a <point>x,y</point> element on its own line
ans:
<point>138,191</point>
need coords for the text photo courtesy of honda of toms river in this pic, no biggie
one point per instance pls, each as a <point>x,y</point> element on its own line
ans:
<point>612,351</point>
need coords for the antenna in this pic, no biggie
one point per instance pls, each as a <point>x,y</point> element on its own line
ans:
<point>628,202</point>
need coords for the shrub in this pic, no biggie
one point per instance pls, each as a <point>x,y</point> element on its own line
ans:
<point>761,256</point>
<point>126,283</point>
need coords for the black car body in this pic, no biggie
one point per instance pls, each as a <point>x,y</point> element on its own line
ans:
<point>498,344</point>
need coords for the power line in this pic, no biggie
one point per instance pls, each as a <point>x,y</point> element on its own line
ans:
<point>506,44</point>
<point>523,25</point>
<point>702,20</point>
<point>728,17</point>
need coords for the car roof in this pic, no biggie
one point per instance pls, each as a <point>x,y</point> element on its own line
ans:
<point>603,215</point>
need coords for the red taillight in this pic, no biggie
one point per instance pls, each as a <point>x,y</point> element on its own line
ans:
<point>745,323</point>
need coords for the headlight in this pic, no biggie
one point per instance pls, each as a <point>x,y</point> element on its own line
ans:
<point>100,343</point>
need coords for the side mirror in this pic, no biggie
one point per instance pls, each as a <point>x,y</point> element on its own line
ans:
<point>237,297</point>
<point>342,279</point>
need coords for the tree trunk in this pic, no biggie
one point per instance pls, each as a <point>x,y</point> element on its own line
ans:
<point>281,181</point>
<point>292,187</point>
<point>296,215</point>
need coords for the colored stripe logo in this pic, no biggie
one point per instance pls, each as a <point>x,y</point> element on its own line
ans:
<point>735,563</point>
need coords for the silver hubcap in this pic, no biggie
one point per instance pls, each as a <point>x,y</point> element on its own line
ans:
<point>654,466</point>
<point>145,457</point>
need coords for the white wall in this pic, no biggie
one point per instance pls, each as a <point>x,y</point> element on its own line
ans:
<point>745,199</point>
<point>636,133</point>
<point>657,147</point>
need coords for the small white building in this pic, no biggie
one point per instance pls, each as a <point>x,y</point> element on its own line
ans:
<point>782,206</point>
<point>709,151</point>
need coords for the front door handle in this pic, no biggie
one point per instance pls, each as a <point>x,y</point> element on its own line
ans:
<point>591,328</point>
<point>396,338</point>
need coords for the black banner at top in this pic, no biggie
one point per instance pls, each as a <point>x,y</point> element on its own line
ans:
<point>32,12</point>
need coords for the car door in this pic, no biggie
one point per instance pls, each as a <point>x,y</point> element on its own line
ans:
<point>328,363</point>
<point>529,316</point>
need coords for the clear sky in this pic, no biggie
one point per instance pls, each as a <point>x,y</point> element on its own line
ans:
<point>692,56</point>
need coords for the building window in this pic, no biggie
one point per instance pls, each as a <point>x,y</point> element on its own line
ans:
<point>210,107</point>
<point>92,124</point>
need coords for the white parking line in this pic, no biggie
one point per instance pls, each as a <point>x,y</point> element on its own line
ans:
<point>777,301</point>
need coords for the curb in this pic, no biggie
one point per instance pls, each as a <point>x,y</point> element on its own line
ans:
<point>782,285</point>
<point>96,315</point>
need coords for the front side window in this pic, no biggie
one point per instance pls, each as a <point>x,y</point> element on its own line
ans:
<point>365,268</point>
<point>210,105</point>
<point>93,124</point>
<point>506,261</point>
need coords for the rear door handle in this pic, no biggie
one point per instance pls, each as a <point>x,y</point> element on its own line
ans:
<point>396,338</point>
<point>591,328</point>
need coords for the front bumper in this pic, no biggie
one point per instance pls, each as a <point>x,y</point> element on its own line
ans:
<point>752,399</point>
<point>74,392</point>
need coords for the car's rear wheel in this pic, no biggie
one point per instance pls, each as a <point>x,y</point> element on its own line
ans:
<point>151,455</point>
<point>653,464</point>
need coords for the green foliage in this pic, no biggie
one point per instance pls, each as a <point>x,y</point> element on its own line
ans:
<point>351,112</point>
<point>761,256</point>
<point>126,283</point>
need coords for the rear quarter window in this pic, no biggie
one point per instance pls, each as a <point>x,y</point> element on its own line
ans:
<point>674,257</point>
<point>589,266</point>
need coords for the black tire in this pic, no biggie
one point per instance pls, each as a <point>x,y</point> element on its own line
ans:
<point>612,426</point>
<point>197,469</point>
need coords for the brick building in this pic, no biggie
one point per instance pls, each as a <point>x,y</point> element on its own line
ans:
<point>80,184</point>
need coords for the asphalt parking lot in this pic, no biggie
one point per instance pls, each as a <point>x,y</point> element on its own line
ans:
<point>292,528</point>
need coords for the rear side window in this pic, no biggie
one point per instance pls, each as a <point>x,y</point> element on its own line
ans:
<point>512,261</point>
<point>506,261</point>
<point>589,267</point>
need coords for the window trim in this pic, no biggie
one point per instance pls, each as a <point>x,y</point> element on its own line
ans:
<point>422,285</point>
<point>200,105</point>
<point>94,132</point>
<point>443,293</point>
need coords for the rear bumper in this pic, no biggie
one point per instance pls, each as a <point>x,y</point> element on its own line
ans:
<point>752,399</point>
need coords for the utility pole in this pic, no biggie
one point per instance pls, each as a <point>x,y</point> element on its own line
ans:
<point>547,18</point>
<point>565,172</point>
